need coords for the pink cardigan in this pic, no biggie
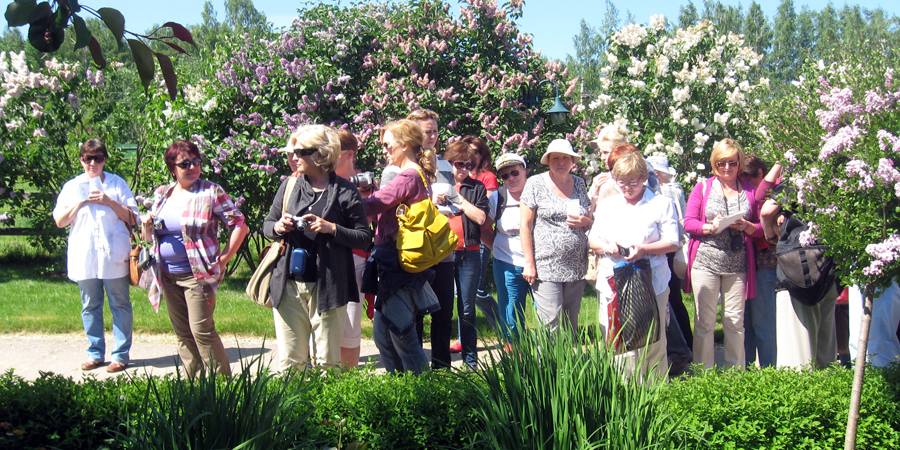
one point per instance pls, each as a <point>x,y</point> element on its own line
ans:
<point>695,218</point>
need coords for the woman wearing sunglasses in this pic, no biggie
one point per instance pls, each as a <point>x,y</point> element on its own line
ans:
<point>721,258</point>
<point>184,226</point>
<point>472,205</point>
<point>504,241</point>
<point>100,208</point>
<point>321,223</point>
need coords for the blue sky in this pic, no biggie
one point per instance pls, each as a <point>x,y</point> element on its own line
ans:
<point>552,22</point>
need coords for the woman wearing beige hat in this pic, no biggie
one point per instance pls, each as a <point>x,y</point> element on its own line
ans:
<point>554,207</point>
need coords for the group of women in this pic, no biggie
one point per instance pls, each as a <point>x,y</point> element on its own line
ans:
<point>539,229</point>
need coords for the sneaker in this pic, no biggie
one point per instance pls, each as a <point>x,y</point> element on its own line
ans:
<point>456,347</point>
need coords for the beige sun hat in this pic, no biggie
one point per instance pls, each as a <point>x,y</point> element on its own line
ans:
<point>560,146</point>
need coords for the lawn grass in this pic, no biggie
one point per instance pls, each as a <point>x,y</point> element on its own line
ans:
<point>37,299</point>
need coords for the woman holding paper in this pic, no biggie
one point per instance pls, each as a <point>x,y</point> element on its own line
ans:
<point>100,208</point>
<point>553,229</point>
<point>721,217</point>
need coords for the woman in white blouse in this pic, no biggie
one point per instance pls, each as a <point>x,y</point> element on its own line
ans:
<point>647,225</point>
<point>100,207</point>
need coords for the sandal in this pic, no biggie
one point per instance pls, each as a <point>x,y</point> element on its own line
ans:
<point>91,365</point>
<point>116,366</point>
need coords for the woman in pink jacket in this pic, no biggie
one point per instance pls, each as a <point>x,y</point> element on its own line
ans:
<point>721,259</point>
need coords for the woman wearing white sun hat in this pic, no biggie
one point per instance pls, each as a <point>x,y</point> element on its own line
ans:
<point>554,207</point>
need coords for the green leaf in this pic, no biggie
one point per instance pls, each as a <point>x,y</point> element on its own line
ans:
<point>143,59</point>
<point>168,70</point>
<point>19,13</point>
<point>115,21</point>
<point>97,53</point>
<point>82,33</point>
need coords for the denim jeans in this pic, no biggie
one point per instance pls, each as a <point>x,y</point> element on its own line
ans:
<point>92,317</point>
<point>511,291</point>
<point>398,353</point>
<point>483,298</point>
<point>468,267</point>
<point>759,320</point>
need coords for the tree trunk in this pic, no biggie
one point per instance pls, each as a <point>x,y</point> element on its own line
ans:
<point>856,393</point>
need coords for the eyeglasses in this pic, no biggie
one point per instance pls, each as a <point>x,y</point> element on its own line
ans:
<point>464,165</point>
<point>99,159</point>
<point>301,152</point>
<point>188,163</point>
<point>624,183</point>
<point>511,173</point>
<point>725,164</point>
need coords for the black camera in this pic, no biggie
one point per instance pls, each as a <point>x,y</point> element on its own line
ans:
<point>158,223</point>
<point>363,180</point>
<point>624,251</point>
<point>737,242</point>
<point>299,223</point>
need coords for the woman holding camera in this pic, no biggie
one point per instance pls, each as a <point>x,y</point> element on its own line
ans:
<point>321,222</point>
<point>184,225</point>
<point>721,260</point>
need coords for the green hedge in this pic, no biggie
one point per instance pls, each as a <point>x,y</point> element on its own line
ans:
<point>786,409</point>
<point>732,410</point>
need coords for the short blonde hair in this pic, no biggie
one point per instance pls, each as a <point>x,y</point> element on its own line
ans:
<point>614,133</point>
<point>631,165</point>
<point>323,139</point>
<point>727,148</point>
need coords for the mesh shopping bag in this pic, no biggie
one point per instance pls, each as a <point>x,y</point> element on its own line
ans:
<point>633,313</point>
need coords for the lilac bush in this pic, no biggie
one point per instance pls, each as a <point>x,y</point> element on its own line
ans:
<point>837,132</point>
<point>677,93</point>
<point>359,67</point>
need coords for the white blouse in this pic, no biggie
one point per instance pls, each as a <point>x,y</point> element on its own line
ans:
<point>98,239</point>
<point>652,219</point>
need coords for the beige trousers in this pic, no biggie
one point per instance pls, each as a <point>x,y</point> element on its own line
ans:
<point>199,345</point>
<point>805,334</point>
<point>707,287</point>
<point>297,319</point>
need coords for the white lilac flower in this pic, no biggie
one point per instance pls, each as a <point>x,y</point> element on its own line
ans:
<point>658,137</point>
<point>701,139</point>
<point>210,105</point>
<point>40,132</point>
<point>681,95</point>
<point>637,84</point>
<point>637,68</point>
<point>675,149</point>
<point>630,35</point>
<point>721,119</point>
<point>658,22</point>
<point>790,157</point>
<point>697,124</point>
<point>602,101</point>
<point>662,65</point>
<point>701,166</point>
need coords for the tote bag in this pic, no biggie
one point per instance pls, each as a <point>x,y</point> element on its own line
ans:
<point>425,237</point>
<point>258,287</point>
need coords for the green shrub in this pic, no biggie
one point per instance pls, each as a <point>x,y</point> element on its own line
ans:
<point>556,393</point>
<point>393,412</point>
<point>782,409</point>
<point>54,411</point>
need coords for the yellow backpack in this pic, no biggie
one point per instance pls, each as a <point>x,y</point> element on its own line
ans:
<point>425,237</point>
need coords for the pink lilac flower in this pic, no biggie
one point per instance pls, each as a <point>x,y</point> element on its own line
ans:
<point>840,141</point>
<point>808,236</point>
<point>858,168</point>
<point>884,253</point>
<point>885,138</point>
<point>790,157</point>
<point>886,173</point>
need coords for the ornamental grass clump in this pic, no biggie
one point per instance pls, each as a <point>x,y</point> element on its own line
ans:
<point>555,392</point>
<point>255,409</point>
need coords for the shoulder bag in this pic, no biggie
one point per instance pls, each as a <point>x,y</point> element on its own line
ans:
<point>258,287</point>
<point>425,237</point>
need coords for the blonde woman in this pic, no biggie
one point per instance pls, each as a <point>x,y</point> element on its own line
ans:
<point>395,334</point>
<point>647,225</point>
<point>326,218</point>
<point>721,259</point>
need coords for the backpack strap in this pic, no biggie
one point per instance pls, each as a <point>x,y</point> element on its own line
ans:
<point>502,193</point>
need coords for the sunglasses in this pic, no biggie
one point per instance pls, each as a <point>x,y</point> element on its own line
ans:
<point>464,165</point>
<point>511,173</point>
<point>99,159</point>
<point>724,164</point>
<point>301,152</point>
<point>188,163</point>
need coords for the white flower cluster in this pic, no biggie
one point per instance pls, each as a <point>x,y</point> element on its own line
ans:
<point>658,22</point>
<point>630,35</point>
